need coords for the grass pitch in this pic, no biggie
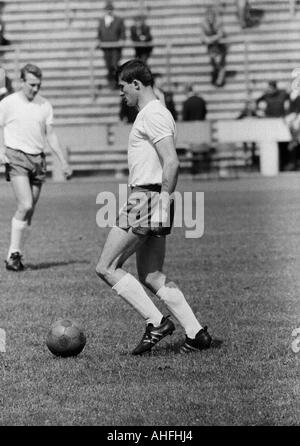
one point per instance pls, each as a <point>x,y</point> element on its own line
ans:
<point>241,278</point>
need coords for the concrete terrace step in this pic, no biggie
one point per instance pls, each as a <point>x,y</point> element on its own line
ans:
<point>91,5</point>
<point>40,42</point>
<point>159,27</point>
<point>62,49</point>
<point>185,63</point>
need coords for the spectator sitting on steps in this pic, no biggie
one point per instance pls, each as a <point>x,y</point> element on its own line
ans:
<point>194,106</point>
<point>6,87</point>
<point>247,15</point>
<point>3,40</point>
<point>212,34</point>
<point>274,102</point>
<point>140,33</point>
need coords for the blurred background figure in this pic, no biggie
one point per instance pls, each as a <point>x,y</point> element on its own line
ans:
<point>212,34</point>
<point>158,87</point>
<point>194,106</point>
<point>247,15</point>
<point>140,33</point>
<point>293,121</point>
<point>111,28</point>
<point>292,7</point>
<point>3,41</point>
<point>243,12</point>
<point>163,92</point>
<point>274,102</point>
<point>249,110</point>
<point>6,87</point>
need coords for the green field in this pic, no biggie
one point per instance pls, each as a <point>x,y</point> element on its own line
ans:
<point>241,278</point>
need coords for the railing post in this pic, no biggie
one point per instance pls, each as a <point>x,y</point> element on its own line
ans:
<point>68,12</point>
<point>246,67</point>
<point>92,75</point>
<point>168,64</point>
<point>16,67</point>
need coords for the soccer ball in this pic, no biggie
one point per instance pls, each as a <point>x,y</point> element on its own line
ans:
<point>65,338</point>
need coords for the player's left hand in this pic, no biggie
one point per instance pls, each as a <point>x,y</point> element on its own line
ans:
<point>161,218</point>
<point>68,172</point>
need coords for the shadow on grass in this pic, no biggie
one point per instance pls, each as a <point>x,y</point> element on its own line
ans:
<point>175,348</point>
<point>47,265</point>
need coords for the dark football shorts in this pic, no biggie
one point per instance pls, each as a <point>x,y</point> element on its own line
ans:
<point>139,209</point>
<point>23,164</point>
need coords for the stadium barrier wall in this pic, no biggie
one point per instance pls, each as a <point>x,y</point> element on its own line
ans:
<point>202,146</point>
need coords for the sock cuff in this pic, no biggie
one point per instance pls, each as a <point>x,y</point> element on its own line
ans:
<point>161,291</point>
<point>123,283</point>
<point>167,288</point>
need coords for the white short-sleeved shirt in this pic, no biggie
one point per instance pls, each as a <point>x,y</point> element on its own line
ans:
<point>24,122</point>
<point>152,124</point>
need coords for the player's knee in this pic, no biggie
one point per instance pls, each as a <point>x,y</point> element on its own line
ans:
<point>103,270</point>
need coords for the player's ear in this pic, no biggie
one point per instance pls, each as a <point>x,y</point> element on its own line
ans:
<point>136,84</point>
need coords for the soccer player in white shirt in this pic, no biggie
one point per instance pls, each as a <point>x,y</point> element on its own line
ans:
<point>26,119</point>
<point>143,222</point>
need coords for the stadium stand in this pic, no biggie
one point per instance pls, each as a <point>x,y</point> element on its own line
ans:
<point>61,36</point>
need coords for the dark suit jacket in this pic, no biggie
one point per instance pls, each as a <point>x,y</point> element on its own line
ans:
<point>112,33</point>
<point>275,103</point>
<point>194,109</point>
<point>141,34</point>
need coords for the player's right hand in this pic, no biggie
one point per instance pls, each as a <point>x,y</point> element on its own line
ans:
<point>162,217</point>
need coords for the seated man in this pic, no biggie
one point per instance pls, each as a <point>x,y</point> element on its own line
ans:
<point>248,16</point>
<point>3,40</point>
<point>194,107</point>
<point>141,34</point>
<point>275,101</point>
<point>213,36</point>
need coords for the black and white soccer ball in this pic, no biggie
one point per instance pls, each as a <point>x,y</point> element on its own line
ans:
<point>65,338</point>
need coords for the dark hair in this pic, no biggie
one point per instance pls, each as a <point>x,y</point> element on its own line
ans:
<point>135,69</point>
<point>109,6</point>
<point>273,84</point>
<point>32,69</point>
<point>189,88</point>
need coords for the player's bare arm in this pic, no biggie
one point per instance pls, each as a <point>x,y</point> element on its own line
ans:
<point>170,163</point>
<point>55,147</point>
<point>3,158</point>
<point>170,168</point>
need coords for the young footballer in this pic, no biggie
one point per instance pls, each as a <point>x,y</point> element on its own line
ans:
<point>27,119</point>
<point>143,222</point>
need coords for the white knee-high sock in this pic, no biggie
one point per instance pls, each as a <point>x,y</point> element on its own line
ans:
<point>18,228</point>
<point>131,290</point>
<point>176,303</point>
